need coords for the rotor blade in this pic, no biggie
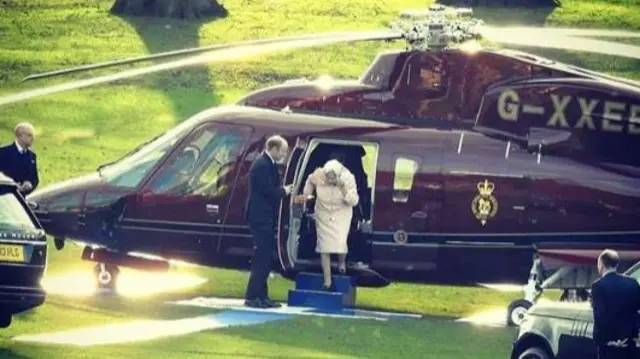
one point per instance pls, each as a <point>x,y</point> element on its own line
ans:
<point>558,31</point>
<point>532,39</point>
<point>175,53</point>
<point>233,53</point>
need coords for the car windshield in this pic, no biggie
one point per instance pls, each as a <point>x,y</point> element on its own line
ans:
<point>130,170</point>
<point>13,216</point>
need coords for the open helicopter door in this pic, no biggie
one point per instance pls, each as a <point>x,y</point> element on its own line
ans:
<point>286,255</point>
<point>296,231</point>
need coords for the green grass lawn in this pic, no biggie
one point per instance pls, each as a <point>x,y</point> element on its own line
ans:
<point>80,129</point>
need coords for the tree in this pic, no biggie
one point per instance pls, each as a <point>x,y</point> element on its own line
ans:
<point>179,9</point>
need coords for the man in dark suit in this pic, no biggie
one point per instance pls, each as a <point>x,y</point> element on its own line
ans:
<point>265,193</point>
<point>18,162</point>
<point>615,301</point>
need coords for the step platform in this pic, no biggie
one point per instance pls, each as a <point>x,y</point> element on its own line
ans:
<point>309,293</point>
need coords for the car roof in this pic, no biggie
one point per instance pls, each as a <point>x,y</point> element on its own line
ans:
<point>6,181</point>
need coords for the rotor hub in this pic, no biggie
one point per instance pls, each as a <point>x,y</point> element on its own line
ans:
<point>438,27</point>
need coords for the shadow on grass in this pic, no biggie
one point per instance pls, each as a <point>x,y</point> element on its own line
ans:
<point>190,89</point>
<point>10,354</point>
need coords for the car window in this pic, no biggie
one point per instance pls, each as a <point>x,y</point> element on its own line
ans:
<point>13,215</point>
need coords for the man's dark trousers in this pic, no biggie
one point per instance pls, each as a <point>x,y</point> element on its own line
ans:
<point>607,352</point>
<point>263,242</point>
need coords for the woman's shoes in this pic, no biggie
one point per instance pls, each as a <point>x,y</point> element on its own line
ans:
<point>327,288</point>
<point>342,270</point>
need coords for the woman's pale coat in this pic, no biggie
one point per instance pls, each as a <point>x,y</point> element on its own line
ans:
<point>334,206</point>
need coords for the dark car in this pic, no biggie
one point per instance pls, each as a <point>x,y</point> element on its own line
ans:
<point>23,254</point>
<point>559,330</point>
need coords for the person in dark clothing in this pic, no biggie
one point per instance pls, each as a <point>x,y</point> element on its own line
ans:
<point>265,193</point>
<point>18,161</point>
<point>615,302</point>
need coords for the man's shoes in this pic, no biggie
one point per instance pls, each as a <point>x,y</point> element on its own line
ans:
<point>255,303</point>
<point>261,303</point>
<point>271,304</point>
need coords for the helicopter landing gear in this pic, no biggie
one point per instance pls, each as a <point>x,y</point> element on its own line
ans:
<point>532,291</point>
<point>59,243</point>
<point>572,279</point>
<point>106,275</point>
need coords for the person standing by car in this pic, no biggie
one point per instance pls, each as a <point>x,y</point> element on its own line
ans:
<point>18,161</point>
<point>615,302</point>
<point>265,193</point>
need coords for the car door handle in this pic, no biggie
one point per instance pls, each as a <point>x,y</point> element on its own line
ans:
<point>212,208</point>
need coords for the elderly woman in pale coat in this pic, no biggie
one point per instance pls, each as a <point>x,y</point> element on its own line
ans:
<point>336,194</point>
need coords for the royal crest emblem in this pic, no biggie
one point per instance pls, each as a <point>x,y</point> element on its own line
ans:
<point>484,205</point>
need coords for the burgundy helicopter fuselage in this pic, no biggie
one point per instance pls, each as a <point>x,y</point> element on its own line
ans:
<point>472,160</point>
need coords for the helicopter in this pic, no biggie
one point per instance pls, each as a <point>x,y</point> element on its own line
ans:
<point>474,165</point>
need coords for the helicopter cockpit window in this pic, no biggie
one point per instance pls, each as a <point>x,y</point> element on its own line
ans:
<point>379,74</point>
<point>426,79</point>
<point>201,166</point>
<point>129,171</point>
<point>424,76</point>
<point>404,173</point>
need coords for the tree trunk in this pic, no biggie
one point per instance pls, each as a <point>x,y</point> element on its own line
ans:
<point>178,9</point>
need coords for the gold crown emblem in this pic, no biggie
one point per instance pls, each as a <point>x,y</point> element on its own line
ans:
<point>486,188</point>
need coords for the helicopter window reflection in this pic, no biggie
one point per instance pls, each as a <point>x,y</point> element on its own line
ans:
<point>65,203</point>
<point>134,167</point>
<point>201,166</point>
<point>404,173</point>
<point>100,199</point>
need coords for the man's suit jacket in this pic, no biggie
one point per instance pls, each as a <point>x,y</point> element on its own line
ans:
<point>265,192</point>
<point>615,301</point>
<point>19,166</point>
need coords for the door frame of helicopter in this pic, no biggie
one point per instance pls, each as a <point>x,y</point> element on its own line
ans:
<point>291,214</point>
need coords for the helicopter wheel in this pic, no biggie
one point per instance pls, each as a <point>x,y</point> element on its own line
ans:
<point>517,311</point>
<point>106,275</point>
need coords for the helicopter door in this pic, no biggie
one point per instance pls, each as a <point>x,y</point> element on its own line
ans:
<point>287,255</point>
<point>182,207</point>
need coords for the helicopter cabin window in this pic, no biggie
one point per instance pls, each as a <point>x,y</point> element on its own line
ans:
<point>203,165</point>
<point>404,174</point>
